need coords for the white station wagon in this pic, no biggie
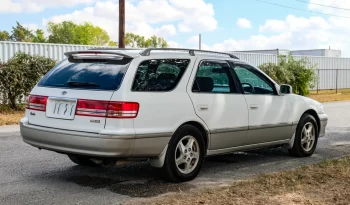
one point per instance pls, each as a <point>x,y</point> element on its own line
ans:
<point>171,106</point>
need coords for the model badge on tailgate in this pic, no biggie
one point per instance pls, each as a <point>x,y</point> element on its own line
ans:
<point>95,121</point>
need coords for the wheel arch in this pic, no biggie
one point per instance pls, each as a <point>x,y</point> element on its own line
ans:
<point>201,128</point>
<point>159,161</point>
<point>314,114</point>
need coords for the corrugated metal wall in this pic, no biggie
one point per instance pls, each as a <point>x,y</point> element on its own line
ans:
<point>257,59</point>
<point>54,51</point>
<point>332,72</point>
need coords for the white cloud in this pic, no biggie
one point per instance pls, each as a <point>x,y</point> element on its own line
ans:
<point>166,30</point>
<point>147,17</point>
<point>173,44</point>
<point>193,40</point>
<point>244,23</point>
<point>32,27</point>
<point>16,6</point>
<point>295,33</point>
<point>256,42</point>
<point>293,23</point>
<point>328,4</point>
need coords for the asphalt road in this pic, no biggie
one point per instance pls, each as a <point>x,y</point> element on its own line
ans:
<point>30,176</point>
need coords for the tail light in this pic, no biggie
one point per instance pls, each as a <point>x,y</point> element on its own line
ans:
<point>122,110</point>
<point>107,109</point>
<point>36,102</point>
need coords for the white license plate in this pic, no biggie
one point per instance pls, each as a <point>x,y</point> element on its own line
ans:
<point>61,108</point>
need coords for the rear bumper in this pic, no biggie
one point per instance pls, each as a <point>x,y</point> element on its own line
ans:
<point>92,144</point>
<point>323,124</point>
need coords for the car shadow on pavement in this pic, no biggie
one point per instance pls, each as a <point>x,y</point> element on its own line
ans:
<point>141,180</point>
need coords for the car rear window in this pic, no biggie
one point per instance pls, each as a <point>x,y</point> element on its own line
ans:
<point>87,74</point>
<point>159,74</point>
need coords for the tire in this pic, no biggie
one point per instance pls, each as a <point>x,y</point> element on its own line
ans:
<point>301,148</point>
<point>82,161</point>
<point>190,158</point>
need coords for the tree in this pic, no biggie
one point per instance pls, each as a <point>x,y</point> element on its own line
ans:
<point>156,42</point>
<point>137,41</point>
<point>68,32</point>
<point>87,34</point>
<point>64,32</point>
<point>39,36</point>
<point>112,43</point>
<point>21,34</point>
<point>4,36</point>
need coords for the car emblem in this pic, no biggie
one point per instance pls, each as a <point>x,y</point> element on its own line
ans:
<point>64,93</point>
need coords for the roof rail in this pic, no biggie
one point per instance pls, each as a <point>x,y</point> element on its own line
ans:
<point>147,51</point>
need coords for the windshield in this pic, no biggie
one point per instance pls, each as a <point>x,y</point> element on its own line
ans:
<point>87,74</point>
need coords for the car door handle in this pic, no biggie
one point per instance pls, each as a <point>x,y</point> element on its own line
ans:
<point>253,107</point>
<point>203,107</point>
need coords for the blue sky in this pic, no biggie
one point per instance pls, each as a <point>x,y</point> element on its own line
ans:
<point>224,24</point>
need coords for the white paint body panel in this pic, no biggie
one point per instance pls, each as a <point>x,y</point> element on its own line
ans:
<point>271,113</point>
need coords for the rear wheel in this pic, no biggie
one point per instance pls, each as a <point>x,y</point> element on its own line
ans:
<point>185,155</point>
<point>81,160</point>
<point>306,137</point>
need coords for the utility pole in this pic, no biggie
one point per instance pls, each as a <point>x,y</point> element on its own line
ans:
<point>200,41</point>
<point>121,41</point>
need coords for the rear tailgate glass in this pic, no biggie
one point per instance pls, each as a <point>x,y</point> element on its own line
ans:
<point>90,74</point>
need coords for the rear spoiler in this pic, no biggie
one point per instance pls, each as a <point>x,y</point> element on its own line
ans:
<point>96,54</point>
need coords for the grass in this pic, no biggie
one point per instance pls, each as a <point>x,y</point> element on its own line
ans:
<point>330,95</point>
<point>9,116</point>
<point>324,183</point>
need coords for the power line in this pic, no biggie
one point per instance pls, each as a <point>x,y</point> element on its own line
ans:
<point>324,5</point>
<point>266,2</point>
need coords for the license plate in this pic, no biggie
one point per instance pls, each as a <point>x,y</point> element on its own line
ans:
<point>61,108</point>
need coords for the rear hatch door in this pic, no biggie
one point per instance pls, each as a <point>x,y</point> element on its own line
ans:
<point>75,94</point>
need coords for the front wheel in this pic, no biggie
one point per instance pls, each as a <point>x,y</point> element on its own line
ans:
<point>185,155</point>
<point>306,137</point>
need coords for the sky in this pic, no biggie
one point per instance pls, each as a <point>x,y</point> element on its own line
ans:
<point>225,25</point>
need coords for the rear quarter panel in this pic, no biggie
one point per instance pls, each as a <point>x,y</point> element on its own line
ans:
<point>160,113</point>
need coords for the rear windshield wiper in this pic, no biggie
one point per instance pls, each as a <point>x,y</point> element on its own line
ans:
<point>78,83</point>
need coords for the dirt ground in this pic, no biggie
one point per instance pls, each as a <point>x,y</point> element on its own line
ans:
<point>324,183</point>
<point>330,95</point>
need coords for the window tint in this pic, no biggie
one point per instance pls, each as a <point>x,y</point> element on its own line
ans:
<point>253,82</point>
<point>87,74</point>
<point>213,77</point>
<point>159,75</point>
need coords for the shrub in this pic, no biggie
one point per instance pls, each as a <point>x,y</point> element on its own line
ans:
<point>278,73</point>
<point>304,75</point>
<point>297,73</point>
<point>20,74</point>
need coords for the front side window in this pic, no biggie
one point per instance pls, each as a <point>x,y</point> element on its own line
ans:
<point>159,74</point>
<point>252,81</point>
<point>213,77</point>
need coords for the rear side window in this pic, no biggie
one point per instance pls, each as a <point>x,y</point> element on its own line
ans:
<point>87,74</point>
<point>159,75</point>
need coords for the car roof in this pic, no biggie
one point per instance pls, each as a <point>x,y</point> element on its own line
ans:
<point>164,52</point>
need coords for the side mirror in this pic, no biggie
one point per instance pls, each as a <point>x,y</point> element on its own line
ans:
<point>286,89</point>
